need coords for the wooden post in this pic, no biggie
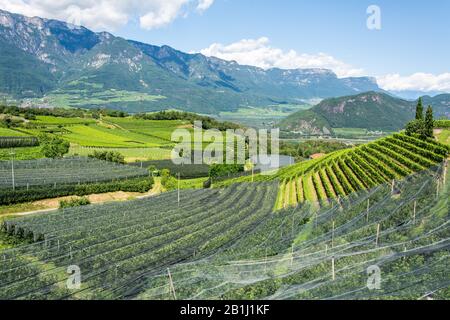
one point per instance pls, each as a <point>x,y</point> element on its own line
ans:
<point>265,262</point>
<point>292,231</point>
<point>178,189</point>
<point>393,186</point>
<point>437,188</point>
<point>171,286</point>
<point>333,272</point>
<point>414,212</point>
<point>326,249</point>
<point>332,235</point>
<point>368,208</point>
<point>378,234</point>
<point>12,171</point>
<point>292,255</point>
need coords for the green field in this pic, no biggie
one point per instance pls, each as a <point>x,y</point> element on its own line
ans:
<point>444,136</point>
<point>161,129</point>
<point>55,121</point>
<point>262,117</point>
<point>100,136</point>
<point>77,98</point>
<point>21,153</point>
<point>130,154</point>
<point>357,133</point>
<point>5,132</point>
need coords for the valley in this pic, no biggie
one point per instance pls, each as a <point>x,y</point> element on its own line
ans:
<point>93,205</point>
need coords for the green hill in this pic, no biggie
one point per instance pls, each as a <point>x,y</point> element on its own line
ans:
<point>345,172</point>
<point>371,110</point>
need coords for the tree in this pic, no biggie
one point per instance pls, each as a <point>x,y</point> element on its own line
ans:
<point>416,127</point>
<point>419,110</point>
<point>53,147</point>
<point>110,156</point>
<point>429,122</point>
<point>153,170</point>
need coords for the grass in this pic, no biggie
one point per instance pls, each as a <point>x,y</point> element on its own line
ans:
<point>192,183</point>
<point>130,154</point>
<point>21,207</point>
<point>356,133</point>
<point>261,116</point>
<point>82,98</point>
<point>161,129</point>
<point>29,153</point>
<point>50,120</point>
<point>444,136</point>
<point>6,132</point>
<point>99,136</point>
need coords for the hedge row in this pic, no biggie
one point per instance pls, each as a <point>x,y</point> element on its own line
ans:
<point>351,177</point>
<point>334,182</point>
<point>387,161</point>
<point>397,157</point>
<point>390,144</point>
<point>326,184</point>
<point>342,179</point>
<point>433,147</point>
<point>374,174</point>
<point>363,176</point>
<point>8,197</point>
<point>321,195</point>
<point>385,171</point>
<point>18,142</point>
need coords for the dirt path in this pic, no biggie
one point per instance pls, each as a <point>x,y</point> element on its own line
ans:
<point>53,204</point>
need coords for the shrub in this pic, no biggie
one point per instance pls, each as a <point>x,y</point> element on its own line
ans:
<point>110,156</point>
<point>53,147</point>
<point>77,202</point>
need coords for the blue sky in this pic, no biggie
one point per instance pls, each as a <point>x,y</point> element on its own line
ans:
<point>410,52</point>
<point>415,35</point>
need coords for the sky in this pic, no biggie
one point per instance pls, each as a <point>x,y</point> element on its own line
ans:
<point>404,44</point>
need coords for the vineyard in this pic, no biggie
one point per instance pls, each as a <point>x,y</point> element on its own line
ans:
<point>115,244</point>
<point>302,253</point>
<point>227,244</point>
<point>343,173</point>
<point>63,171</point>
<point>24,181</point>
<point>18,142</point>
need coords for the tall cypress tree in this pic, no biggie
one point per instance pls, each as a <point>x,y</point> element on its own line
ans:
<point>429,122</point>
<point>419,110</point>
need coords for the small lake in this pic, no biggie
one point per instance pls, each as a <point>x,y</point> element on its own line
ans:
<point>268,162</point>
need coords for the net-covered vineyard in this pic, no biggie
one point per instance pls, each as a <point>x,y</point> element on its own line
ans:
<point>331,253</point>
<point>63,171</point>
<point>227,244</point>
<point>115,244</point>
<point>345,172</point>
<point>18,142</point>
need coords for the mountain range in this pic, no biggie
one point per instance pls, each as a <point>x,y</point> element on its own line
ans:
<point>53,63</point>
<point>369,110</point>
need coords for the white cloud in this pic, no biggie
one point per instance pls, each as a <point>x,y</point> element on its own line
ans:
<point>204,4</point>
<point>258,52</point>
<point>417,81</point>
<point>107,14</point>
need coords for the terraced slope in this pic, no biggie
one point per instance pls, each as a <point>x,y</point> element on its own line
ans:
<point>343,173</point>
<point>117,243</point>
<point>291,255</point>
